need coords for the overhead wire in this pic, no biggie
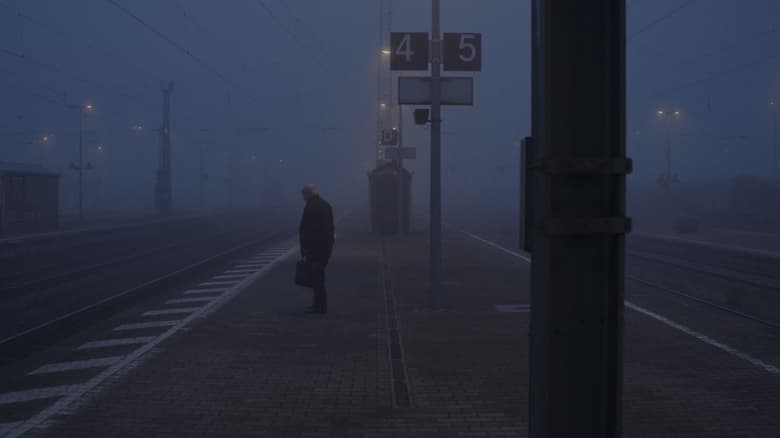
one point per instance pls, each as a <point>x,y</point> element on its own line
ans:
<point>50,27</point>
<point>43,97</point>
<point>712,76</point>
<point>661,19</point>
<point>184,50</point>
<point>719,74</point>
<point>44,65</point>
<point>290,32</point>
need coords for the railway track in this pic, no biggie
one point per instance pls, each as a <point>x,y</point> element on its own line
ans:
<point>33,272</point>
<point>41,311</point>
<point>749,290</point>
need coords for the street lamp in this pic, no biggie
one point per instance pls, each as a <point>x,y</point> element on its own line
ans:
<point>80,167</point>
<point>668,116</point>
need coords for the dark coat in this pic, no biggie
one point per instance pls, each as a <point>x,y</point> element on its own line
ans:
<point>317,230</point>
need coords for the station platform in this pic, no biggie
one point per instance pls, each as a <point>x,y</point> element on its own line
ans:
<point>379,364</point>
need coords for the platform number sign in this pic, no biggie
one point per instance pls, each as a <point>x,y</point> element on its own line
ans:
<point>409,51</point>
<point>389,137</point>
<point>463,51</point>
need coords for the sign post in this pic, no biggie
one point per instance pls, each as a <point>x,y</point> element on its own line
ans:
<point>435,225</point>
<point>457,52</point>
<point>400,150</point>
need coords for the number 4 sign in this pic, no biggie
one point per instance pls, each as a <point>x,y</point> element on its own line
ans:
<point>462,51</point>
<point>409,51</point>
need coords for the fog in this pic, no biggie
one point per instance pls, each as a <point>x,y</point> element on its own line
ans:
<point>273,94</point>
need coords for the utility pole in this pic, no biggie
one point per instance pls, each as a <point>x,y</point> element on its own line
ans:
<point>577,176</point>
<point>776,138</point>
<point>202,169</point>
<point>435,225</point>
<point>163,192</point>
<point>81,162</point>
<point>668,153</point>
<point>667,117</point>
<point>385,78</point>
<point>80,167</point>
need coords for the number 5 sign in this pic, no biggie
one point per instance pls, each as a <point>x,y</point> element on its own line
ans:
<point>463,51</point>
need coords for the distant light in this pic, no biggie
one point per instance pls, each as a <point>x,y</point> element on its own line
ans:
<point>386,51</point>
<point>660,112</point>
<point>89,107</point>
<point>45,138</point>
<point>281,161</point>
<point>100,147</point>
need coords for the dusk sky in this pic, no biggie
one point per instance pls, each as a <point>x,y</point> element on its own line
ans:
<point>282,92</point>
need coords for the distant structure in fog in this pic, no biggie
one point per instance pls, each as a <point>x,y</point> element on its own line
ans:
<point>162,190</point>
<point>384,120</point>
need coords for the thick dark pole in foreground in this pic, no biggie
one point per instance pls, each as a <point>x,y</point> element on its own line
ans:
<point>578,222</point>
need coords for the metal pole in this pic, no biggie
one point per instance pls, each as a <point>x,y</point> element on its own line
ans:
<point>201,182</point>
<point>81,163</point>
<point>668,151</point>
<point>435,226</point>
<point>578,173</point>
<point>776,139</point>
<point>400,170</point>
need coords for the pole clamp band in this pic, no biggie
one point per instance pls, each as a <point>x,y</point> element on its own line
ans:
<point>588,166</point>
<point>559,226</point>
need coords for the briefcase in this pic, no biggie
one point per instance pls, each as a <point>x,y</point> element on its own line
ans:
<point>307,274</point>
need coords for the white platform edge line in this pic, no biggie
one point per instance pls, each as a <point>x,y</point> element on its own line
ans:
<point>176,311</point>
<point>145,325</point>
<point>77,393</point>
<point>4,427</point>
<point>59,367</point>
<point>714,245</point>
<point>26,395</point>
<point>666,321</point>
<point>704,338</point>
<point>190,300</point>
<point>204,291</point>
<point>108,343</point>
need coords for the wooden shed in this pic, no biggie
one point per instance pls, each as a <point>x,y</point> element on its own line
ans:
<point>383,198</point>
<point>29,199</point>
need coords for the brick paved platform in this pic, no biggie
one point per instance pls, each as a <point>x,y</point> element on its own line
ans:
<point>380,365</point>
<point>259,366</point>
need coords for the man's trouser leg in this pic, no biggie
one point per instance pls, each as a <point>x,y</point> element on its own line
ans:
<point>320,294</point>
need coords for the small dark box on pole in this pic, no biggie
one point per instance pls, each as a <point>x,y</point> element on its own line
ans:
<point>421,116</point>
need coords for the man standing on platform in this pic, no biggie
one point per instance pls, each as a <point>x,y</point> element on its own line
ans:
<point>316,239</point>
